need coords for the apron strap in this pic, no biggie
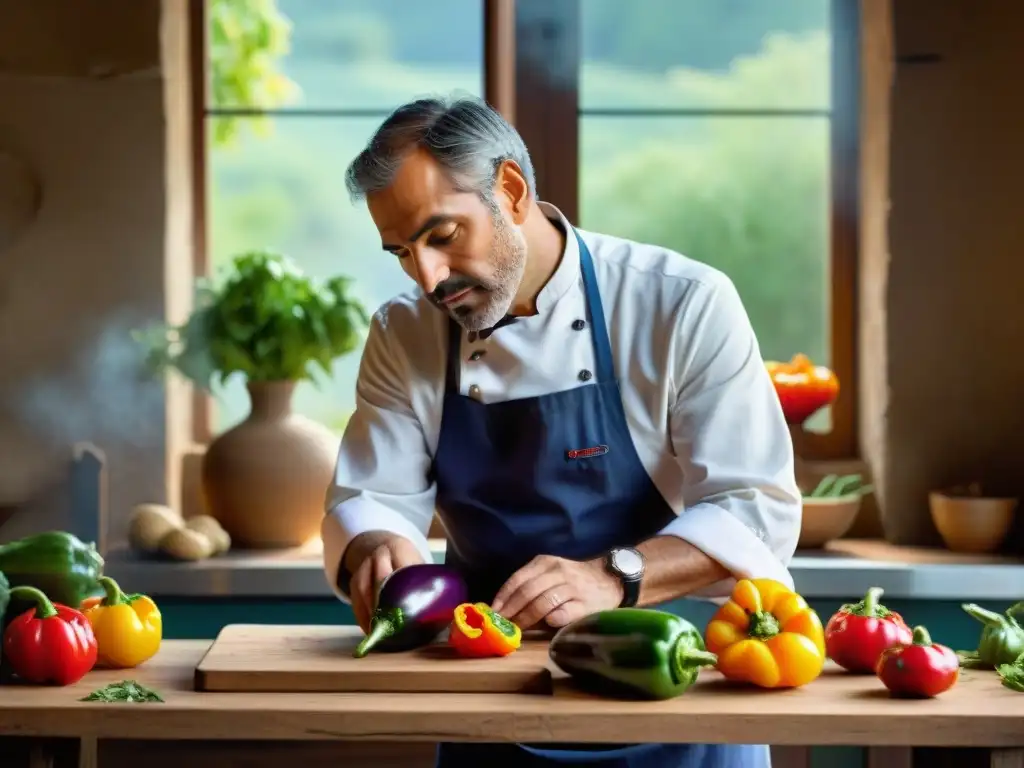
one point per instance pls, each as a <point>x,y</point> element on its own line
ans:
<point>595,315</point>
<point>451,374</point>
<point>595,318</point>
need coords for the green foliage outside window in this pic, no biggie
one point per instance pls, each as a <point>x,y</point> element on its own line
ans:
<point>247,40</point>
<point>749,195</point>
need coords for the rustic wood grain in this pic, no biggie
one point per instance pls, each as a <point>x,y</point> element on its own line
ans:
<point>299,659</point>
<point>835,709</point>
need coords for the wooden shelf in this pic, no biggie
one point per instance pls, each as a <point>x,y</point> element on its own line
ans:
<point>876,550</point>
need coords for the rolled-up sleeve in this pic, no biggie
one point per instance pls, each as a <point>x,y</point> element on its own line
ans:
<point>381,480</point>
<point>742,504</point>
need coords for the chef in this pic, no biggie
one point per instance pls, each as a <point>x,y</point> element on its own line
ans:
<point>589,416</point>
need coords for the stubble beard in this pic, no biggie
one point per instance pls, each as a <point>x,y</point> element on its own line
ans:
<point>508,260</point>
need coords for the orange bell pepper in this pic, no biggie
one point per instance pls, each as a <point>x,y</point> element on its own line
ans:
<point>767,635</point>
<point>478,632</point>
<point>803,388</point>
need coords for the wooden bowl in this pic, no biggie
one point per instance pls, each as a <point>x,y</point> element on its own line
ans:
<point>827,518</point>
<point>972,524</point>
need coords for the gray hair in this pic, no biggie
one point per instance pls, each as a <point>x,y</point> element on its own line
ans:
<point>467,138</point>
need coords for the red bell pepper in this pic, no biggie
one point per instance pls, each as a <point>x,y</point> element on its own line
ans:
<point>857,633</point>
<point>803,387</point>
<point>919,669</point>
<point>50,643</point>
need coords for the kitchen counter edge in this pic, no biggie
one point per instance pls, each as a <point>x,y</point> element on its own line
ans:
<point>825,575</point>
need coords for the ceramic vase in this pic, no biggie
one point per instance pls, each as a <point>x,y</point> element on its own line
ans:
<point>265,480</point>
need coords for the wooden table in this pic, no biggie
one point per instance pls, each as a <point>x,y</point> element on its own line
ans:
<point>837,709</point>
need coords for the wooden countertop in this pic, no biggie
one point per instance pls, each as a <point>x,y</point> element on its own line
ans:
<point>835,709</point>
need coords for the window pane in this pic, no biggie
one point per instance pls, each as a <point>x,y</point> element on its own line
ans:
<point>286,191</point>
<point>749,196</point>
<point>377,54</point>
<point>740,54</point>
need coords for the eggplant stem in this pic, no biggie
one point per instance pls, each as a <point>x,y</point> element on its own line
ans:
<point>379,629</point>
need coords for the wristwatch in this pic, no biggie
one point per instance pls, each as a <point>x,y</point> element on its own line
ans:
<point>628,564</point>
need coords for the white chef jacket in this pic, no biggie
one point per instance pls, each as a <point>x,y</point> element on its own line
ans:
<point>703,414</point>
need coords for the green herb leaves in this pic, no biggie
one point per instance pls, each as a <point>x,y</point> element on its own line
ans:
<point>1012,675</point>
<point>268,322</point>
<point>127,691</point>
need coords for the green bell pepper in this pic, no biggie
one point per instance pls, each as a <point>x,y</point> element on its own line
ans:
<point>57,563</point>
<point>1002,638</point>
<point>634,652</point>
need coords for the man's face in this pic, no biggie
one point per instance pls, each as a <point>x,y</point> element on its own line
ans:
<point>467,257</point>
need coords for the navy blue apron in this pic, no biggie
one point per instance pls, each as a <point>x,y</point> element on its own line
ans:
<point>556,474</point>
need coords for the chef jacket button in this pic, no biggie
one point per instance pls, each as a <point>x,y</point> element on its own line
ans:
<point>477,354</point>
<point>474,392</point>
<point>578,325</point>
<point>585,375</point>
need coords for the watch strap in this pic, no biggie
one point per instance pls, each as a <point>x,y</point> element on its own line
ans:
<point>630,583</point>
<point>630,593</point>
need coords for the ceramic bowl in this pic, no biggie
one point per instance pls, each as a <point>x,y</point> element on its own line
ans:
<point>827,518</point>
<point>972,524</point>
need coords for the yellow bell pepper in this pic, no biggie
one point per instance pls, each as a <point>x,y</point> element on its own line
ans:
<point>767,635</point>
<point>128,628</point>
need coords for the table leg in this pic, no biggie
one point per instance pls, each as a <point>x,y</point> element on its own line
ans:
<point>791,757</point>
<point>968,757</point>
<point>1006,758</point>
<point>889,757</point>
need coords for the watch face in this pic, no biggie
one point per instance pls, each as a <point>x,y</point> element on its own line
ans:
<point>628,562</point>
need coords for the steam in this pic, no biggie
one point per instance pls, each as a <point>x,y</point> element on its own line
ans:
<point>101,395</point>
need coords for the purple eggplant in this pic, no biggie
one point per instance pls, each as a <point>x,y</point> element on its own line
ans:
<point>415,604</point>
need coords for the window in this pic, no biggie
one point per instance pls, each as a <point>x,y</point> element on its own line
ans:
<point>280,183</point>
<point>724,129</point>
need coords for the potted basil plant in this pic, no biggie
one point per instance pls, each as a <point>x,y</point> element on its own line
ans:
<point>264,479</point>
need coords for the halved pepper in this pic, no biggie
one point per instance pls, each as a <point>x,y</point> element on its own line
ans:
<point>479,632</point>
<point>128,628</point>
<point>767,635</point>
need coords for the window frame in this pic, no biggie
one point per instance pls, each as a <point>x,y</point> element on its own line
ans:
<point>531,75</point>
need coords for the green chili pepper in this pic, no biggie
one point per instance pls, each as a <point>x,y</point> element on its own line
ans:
<point>636,652</point>
<point>1002,638</point>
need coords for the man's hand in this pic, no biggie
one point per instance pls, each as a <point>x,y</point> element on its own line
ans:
<point>370,557</point>
<point>557,592</point>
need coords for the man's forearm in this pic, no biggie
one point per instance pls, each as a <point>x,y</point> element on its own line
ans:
<point>675,568</point>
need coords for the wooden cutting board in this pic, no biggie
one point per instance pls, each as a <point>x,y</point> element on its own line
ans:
<point>306,659</point>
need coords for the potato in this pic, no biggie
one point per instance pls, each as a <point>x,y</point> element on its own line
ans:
<point>186,544</point>
<point>209,527</point>
<point>148,525</point>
